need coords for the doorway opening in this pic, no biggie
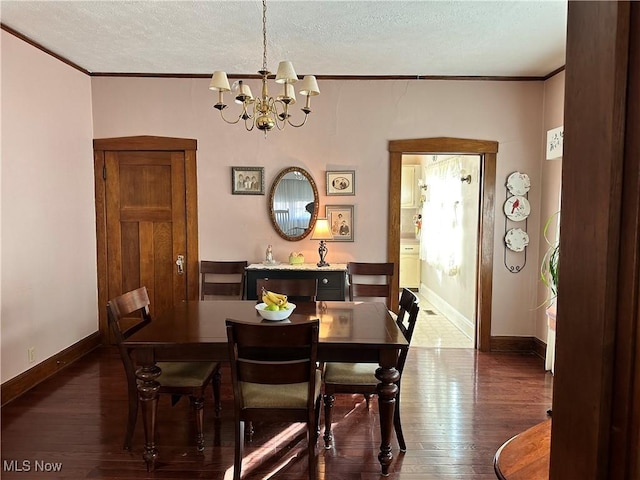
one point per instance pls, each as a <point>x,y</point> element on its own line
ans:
<point>486,152</point>
<point>439,216</point>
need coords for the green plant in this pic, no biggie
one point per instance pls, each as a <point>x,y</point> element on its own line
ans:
<point>549,265</point>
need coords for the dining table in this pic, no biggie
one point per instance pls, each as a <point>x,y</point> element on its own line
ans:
<point>195,331</point>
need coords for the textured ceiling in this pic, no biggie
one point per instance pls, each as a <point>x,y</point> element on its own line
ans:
<point>361,38</point>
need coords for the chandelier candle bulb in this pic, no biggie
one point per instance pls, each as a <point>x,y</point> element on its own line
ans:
<point>288,95</point>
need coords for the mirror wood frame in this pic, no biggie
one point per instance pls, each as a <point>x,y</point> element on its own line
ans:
<point>316,203</point>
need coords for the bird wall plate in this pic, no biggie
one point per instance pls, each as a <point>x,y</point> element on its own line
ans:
<point>517,208</point>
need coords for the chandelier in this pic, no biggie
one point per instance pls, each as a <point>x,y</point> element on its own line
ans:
<point>265,112</point>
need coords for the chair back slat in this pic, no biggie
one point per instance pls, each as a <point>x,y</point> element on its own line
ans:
<point>361,290</point>
<point>222,278</point>
<point>409,312</point>
<point>407,300</point>
<point>369,280</point>
<point>273,373</point>
<point>133,304</point>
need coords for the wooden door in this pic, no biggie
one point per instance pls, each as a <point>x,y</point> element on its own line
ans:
<point>146,211</point>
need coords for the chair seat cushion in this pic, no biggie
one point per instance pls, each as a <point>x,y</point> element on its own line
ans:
<point>350,373</point>
<point>185,374</point>
<point>293,395</point>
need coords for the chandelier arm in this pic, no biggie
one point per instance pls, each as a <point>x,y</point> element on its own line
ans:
<point>250,120</point>
<point>304,120</point>
<point>230,122</point>
<point>280,118</point>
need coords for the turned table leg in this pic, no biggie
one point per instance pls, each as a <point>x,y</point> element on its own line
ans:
<point>387,390</point>
<point>148,394</point>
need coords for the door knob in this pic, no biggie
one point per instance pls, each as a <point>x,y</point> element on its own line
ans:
<point>180,264</point>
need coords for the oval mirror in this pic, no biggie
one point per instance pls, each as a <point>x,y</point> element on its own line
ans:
<point>293,203</point>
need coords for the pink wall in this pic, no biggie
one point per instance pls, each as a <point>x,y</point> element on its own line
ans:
<point>551,174</point>
<point>350,127</point>
<point>49,297</point>
<point>48,225</point>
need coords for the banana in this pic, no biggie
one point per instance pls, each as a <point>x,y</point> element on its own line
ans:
<point>267,299</point>
<point>274,298</point>
<point>285,306</point>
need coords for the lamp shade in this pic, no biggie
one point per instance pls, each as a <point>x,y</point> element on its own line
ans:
<point>288,92</point>
<point>322,230</point>
<point>309,86</point>
<point>286,73</point>
<point>219,81</point>
<point>243,89</point>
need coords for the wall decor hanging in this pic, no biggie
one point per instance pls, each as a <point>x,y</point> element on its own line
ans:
<point>340,219</point>
<point>341,183</point>
<point>516,209</point>
<point>247,180</point>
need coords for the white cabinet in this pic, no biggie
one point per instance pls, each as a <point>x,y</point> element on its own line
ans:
<point>409,266</point>
<point>409,190</point>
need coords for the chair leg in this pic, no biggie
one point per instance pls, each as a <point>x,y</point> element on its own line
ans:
<point>249,431</point>
<point>311,435</point>
<point>239,449</point>
<point>397,425</point>
<point>132,417</point>
<point>216,392</point>
<point>367,399</point>
<point>198,405</point>
<point>328,407</point>
<point>317,414</point>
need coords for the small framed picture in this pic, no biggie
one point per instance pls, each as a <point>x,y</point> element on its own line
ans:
<point>247,180</point>
<point>341,183</point>
<point>341,220</point>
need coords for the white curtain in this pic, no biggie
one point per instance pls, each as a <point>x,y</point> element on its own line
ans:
<point>294,195</point>
<point>441,235</point>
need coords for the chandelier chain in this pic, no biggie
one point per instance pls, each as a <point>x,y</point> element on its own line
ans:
<point>264,35</point>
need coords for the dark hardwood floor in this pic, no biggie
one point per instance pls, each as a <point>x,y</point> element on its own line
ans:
<point>458,407</point>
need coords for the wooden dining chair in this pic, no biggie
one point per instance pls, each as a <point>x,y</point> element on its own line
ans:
<point>359,378</point>
<point>274,376</point>
<point>369,280</point>
<point>222,278</point>
<point>296,289</point>
<point>177,378</point>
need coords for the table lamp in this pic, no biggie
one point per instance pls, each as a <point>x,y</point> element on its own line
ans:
<point>322,232</point>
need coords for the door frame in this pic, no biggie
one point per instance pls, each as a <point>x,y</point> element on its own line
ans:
<point>487,150</point>
<point>144,143</point>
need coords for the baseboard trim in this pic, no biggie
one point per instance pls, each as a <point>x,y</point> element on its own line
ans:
<point>539,348</point>
<point>513,344</point>
<point>18,385</point>
<point>464,324</point>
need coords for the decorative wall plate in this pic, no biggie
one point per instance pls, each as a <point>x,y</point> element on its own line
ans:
<point>518,183</point>
<point>516,239</point>
<point>517,208</point>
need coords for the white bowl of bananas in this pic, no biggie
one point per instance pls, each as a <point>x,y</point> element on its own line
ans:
<point>274,306</point>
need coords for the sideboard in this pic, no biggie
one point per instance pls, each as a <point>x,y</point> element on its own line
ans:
<point>331,279</point>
